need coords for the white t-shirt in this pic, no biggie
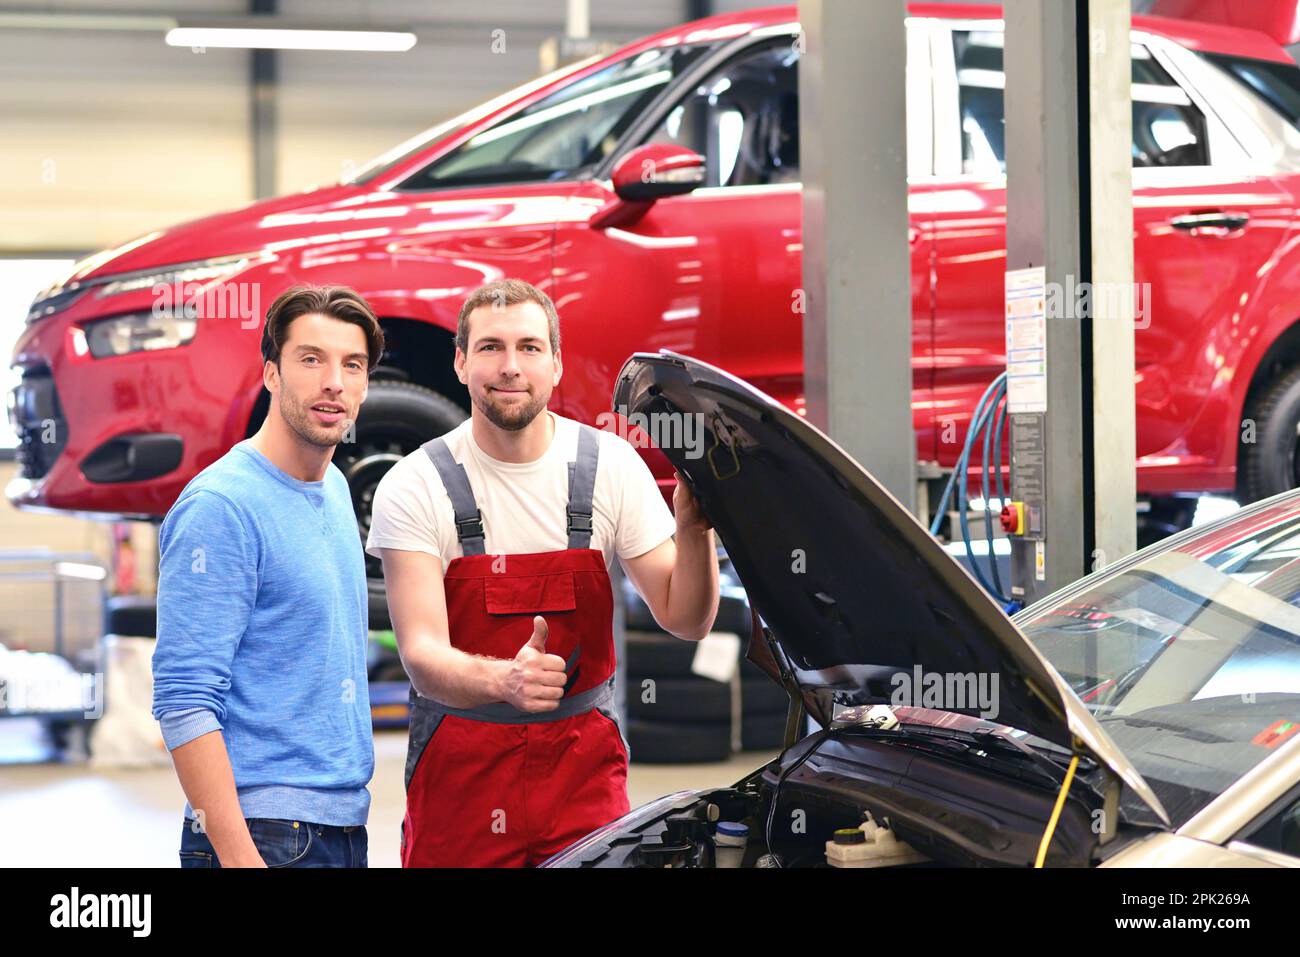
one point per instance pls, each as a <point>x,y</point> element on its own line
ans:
<point>523,504</point>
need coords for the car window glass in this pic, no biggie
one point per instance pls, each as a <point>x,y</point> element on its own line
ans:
<point>571,129</point>
<point>1168,129</point>
<point>1281,832</point>
<point>743,119</point>
<point>980,83</point>
<point>1189,659</point>
<point>1277,83</point>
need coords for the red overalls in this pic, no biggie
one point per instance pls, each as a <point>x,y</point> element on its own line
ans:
<point>493,786</point>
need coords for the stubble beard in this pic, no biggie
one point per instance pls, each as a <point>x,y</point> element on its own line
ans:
<point>511,419</point>
<point>298,418</point>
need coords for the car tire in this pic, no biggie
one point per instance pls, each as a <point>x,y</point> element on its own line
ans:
<point>733,613</point>
<point>655,654</point>
<point>733,616</point>
<point>637,615</point>
<point>134,616</point>
<point>1271,464</point>
<point>763,696</point>
<point>658,742</point>
<point>395,420</point>
<point>762,732</point>
<point>679,699</point>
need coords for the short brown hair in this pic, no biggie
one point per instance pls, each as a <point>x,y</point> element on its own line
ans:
<point>507,292</point>
<point>337,302</point>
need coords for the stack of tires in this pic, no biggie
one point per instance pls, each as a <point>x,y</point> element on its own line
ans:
<point>765,706</point>
<point>132,615</point>
<point>676,716</point>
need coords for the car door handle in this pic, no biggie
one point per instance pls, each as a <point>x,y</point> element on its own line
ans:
<point>1217,220</point>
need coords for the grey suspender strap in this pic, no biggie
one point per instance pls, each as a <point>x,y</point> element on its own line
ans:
<point>498,712</point>
<point>469,520</point>
<point>582,483</point>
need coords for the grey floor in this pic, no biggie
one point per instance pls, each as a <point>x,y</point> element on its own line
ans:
<point>68,814</point>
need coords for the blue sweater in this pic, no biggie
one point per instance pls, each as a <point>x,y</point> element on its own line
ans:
<point>262,628</point>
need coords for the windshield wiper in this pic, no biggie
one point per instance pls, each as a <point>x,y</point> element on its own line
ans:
<point>1041,756</point>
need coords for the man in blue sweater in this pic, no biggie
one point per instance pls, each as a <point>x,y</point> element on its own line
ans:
<point>260,669</point>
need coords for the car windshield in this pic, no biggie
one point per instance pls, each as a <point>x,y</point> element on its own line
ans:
<point>576,126</point>
<point>399,154</point>
<point>1189,656</point>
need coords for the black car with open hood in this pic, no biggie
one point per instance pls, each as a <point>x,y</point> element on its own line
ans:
<point>856,599</point>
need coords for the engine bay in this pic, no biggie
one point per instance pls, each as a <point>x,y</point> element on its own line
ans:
<point>914,806</point>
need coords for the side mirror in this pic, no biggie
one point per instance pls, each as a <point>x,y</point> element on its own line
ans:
<point>657,170</point>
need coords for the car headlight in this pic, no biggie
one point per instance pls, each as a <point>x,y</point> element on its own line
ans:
<point>52,300</point>
<point>139,332</point>
<point>198,272</point>
<point>180,275</point>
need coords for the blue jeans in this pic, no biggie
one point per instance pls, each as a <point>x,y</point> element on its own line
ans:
<point>284,844</point>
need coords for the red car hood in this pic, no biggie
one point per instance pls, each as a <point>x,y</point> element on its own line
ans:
<point>246,229</point>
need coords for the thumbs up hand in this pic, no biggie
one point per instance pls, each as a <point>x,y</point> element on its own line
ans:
<point>540,631</point>
<point>534,680</point>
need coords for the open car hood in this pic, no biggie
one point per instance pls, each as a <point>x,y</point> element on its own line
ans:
<point>852,590</point>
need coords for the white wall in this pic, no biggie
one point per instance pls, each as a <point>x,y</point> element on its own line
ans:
<point>111,134</point>
<point>108,135</point>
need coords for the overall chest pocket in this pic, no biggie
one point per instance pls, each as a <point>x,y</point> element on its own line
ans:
<point>530,595</point>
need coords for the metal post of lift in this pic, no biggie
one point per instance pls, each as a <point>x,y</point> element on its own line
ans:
<point>264,79</point>
<point>1069,211</point>
<point>857,337</point>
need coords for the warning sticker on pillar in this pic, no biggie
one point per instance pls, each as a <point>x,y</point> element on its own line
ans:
<point>1026,345</point>
<point>1026,303</point>
<point>1029,471</point>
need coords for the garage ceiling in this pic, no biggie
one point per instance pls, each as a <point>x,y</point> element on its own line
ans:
<point>110,133</point>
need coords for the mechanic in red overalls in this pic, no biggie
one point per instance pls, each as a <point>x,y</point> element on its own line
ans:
<point>496,539</point>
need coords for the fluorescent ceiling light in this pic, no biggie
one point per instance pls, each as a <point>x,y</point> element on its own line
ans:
<point>83,21</point>
<point>271,39</point>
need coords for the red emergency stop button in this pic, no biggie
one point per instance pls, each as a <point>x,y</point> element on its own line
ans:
<point>1013,518</point>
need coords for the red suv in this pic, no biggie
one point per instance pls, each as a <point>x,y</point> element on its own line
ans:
<point>655,195</point>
